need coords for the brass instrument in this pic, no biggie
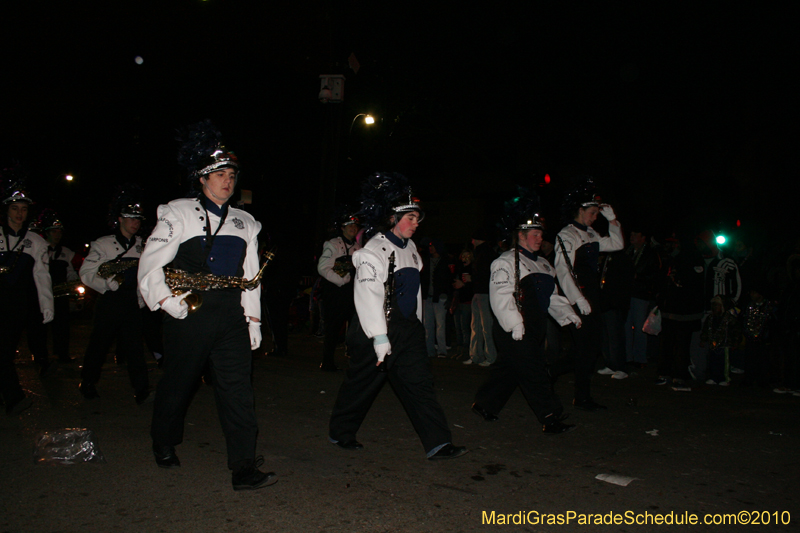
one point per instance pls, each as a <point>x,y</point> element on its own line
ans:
<point>116,269</point>
<point>71,289</point>
<point>4,269</point>
<point>180,281</point>
<point>343,265</point>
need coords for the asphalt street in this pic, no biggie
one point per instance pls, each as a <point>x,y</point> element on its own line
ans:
<point>717,451</point>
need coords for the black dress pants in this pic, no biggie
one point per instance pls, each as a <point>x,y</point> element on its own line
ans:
<point>338,306</point>
<point>217,335</point>
<point>582,355</point>
<point>116,317</point>
<point>519,364</point>
<point>12,323</point>
<point>408,373</point>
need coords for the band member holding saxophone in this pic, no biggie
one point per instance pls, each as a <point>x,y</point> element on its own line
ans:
<point>386,338</point>
<point>23,276</point>
<point>207,241</point>
<point>336,268</point>
<point>110,269</point>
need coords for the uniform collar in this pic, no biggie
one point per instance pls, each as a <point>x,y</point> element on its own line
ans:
<point>580,226</point>
<point>212,207</point>
<point>394,239</point>
<point>533,256</point>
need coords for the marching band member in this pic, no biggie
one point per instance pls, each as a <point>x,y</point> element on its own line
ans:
<point>23,273</point>
<point>336,268</point>
<point>117,313</point>
<point>386,338</point>
<point>522,293</point>
<point>577,250</point>
<point>205,236</point>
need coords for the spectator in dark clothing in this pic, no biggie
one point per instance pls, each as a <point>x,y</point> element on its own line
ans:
<point>615,299</point>
<point>481,347</point>
<point>758,321</point>
<point>647,269</point>
<point>461,307</point>
<point>437,288</point>
<point>681,306</point>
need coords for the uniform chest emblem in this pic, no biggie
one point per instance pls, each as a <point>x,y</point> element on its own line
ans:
<point>238,223</point>
<point>416,261</point>
<point>138,248</point>
<point>26,243</point>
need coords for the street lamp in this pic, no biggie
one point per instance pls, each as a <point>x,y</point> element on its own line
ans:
<point>368,120</point>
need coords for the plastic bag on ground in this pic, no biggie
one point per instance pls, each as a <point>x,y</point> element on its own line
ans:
<point>67,447</point>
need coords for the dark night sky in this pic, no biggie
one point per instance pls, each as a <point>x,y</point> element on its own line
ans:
<point>679,112</point>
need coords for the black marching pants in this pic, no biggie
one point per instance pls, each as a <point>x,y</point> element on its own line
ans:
<point>12,323</point>
<point>116,317</point>
<point>407,372</point>
<point>337,307</point>
<point>519,364</point>
<point>216,334</point>
<point>586,347</point>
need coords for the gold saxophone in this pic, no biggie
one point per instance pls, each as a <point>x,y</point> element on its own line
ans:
<point>115,269</point>
<point>180,281</point>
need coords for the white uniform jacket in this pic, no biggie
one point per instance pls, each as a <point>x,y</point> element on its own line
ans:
<point>332,250</point>
<point>372,268</point>
<point>573,238</point>
<point>35,247</point>
<point>183,220</point>
<point>67,256</point>
<point>501,290</point>
<point>105,249</point>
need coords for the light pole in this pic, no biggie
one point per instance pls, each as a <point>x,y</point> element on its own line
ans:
<point>368,120</point>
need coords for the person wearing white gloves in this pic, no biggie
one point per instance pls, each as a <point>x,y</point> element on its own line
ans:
<point>25,265</point>
<point>386,339</point>
<point>577,250</point>
<point>336,268</point>
<point>522,292</point>
<point>117,315</point>
<point>202,236</point>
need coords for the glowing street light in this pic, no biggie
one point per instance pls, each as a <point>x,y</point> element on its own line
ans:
<point>69,177</point>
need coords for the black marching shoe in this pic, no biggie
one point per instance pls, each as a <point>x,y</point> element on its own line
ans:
<point>350,444</point>
<point>165,456</point>
<point>554,425</point>
<point>88,390</point>
<point>448,451</point>
<point>480,411</point>
<point>249,477</point>
<point>588,405</point>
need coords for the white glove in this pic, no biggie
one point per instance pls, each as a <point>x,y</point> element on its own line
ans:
<point>518,331</point>
<point>48,316</point>
<point>111,284</point>
<point>346,279</point>
<point>583,305</point>
<point>255,334</point>
<point>608,212</point>
<point>382,350</point>
<point>575,319</point>
<point>176,307</point>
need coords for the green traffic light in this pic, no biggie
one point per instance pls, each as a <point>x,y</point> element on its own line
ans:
<point>721,239</point>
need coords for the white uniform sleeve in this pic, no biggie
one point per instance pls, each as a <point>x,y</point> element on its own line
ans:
<point>69,255</point>
<point>96,257</point>
<point>613,241</point>
<point>369,294</point>
<point>41,277</point>
<point>501,294</point>
<point>160,250</point>
<point>326,262</point>
<point>560,309</point>
<point>563,270</point>
<point>251,300</point>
